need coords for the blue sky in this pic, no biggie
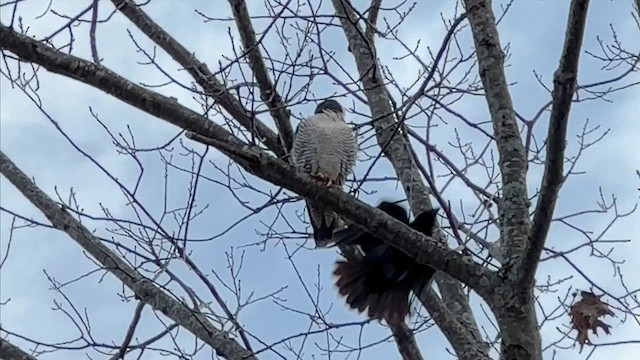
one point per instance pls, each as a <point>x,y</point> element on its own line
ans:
<point>534,31</point>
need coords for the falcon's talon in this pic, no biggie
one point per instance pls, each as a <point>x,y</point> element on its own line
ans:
<point>324,178</point>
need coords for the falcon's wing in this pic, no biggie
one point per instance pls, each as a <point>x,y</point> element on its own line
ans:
<point>305,145</point>
<point>347,152</point>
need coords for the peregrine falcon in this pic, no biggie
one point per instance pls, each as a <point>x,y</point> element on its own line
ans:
<point>325,147</point>
<point>382,279</point>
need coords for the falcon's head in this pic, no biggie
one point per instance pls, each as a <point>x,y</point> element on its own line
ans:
<point>331,106</point>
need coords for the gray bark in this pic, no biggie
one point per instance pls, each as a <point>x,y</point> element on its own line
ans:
<point>459,322</point>
<point>564,87</point>
<point>268,92</point>
<point>513,302</point>
<point>8,351</point>
<point>509,293</point>
<point>202,75</point>
<point>513,209</point>
<point>252,158</point>
<point>143,287</point>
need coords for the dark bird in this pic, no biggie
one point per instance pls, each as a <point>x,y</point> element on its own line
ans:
<point>383,278</point>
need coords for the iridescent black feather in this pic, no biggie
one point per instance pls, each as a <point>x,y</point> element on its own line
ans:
<point>383,279</point>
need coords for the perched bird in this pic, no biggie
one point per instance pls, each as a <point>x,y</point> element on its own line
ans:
<point>325,147</point>
<point>382,279</point>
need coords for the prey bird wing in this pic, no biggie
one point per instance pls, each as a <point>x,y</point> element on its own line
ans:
<point>325,147</point>
<point>382,279</point>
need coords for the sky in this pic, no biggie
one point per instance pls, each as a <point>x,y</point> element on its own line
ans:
<point>533,31</point>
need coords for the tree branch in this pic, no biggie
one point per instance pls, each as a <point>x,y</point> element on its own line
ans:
<point>202,75</point>
<point>144,288</point>
<point>465,343</point>
<point>406,342</point>
<point>514,205</point>
<point>268,92</point>
<point>564,86</point>
<point>252,159</point>
<point>423,249</point>
<point>394,146</point>
<point>100,77</point>
<point>137,314</point>
<point>372,19</point>
<point>8,351</point>
<point>397,150</point>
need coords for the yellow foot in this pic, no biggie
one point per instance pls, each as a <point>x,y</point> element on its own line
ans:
<point>324,178</point>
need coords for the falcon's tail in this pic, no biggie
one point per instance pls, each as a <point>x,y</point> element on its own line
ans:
<point>356,281</point>
<point>325,225</point>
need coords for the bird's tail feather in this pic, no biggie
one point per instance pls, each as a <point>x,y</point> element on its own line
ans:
<point>346,236</point>
<point>354,281</point>
<point>424,281</point>
<point>325,224</point>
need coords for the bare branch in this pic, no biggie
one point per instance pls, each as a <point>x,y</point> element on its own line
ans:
<point>564,86</point>
<point>513,210</point>
<point>144,288</point>
<point>130,331</point>
<point>268,92</point>
<point>424,249</point>
<point>395,146</point>
<point>406,342</point>
<point>8,351</point>
<point>455,331</point>
<point>252,159</point>
<point>514,205</point>
<point>92,33</point>
<point>201,73</point>
<point>102,78</point>
<point>445,42</point>
<point>428,132</point>
<point>372,19</point>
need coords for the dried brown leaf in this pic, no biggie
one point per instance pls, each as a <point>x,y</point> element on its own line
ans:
<point>585,315</point>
